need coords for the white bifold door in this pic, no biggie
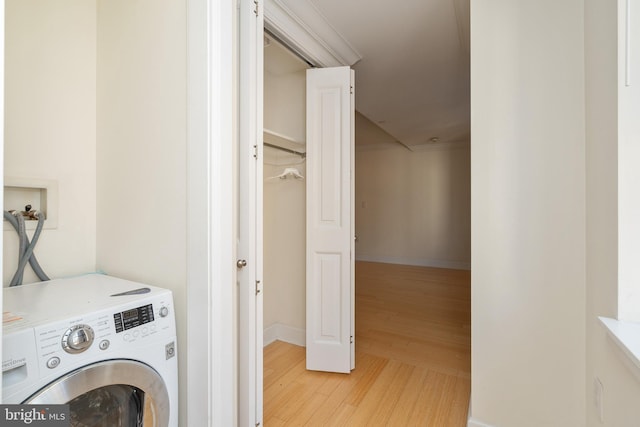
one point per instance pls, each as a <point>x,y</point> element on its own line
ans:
<point>250,215</point>
<point>330,325</point>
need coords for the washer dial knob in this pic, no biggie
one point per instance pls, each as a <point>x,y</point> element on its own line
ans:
<point>77,339</point>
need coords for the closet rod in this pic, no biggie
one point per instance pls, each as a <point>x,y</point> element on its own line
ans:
<point>277,147</point>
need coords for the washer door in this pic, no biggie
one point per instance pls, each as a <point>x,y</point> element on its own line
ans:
<point>113,393</point>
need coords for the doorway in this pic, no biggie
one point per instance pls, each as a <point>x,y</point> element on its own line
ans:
<point>443,294</point>
<point>366,202</point>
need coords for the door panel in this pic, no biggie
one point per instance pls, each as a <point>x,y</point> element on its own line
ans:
<point>250,214</point>
<point>330,209</point>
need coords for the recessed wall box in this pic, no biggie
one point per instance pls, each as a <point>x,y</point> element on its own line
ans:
<point>41,194</point>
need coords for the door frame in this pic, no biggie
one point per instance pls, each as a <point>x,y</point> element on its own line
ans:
<point>303,29</point>
<point>211,191</point>
<point>2,7</point>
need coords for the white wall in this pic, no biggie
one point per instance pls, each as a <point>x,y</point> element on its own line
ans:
<point>284,270</point>
<point>284,92</point>
<point>528,213</point>
<point>413,207</point>
<point>141,149</point>
<point>604,360</point>
<point>50,125</point>
<point>284,244</point>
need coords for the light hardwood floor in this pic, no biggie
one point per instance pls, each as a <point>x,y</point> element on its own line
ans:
<point>413,357</point>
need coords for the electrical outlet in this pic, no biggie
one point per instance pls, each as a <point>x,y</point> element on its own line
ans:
<point>598,396</point>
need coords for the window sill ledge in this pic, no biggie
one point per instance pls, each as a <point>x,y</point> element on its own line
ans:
<point>626,335</point>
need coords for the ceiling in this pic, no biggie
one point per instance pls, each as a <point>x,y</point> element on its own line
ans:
<point>413,76</point>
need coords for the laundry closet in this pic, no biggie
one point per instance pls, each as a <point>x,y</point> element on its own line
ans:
<point>284,194</point>
<point>95,136</point>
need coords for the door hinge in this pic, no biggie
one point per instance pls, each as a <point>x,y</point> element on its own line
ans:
<point>255,151</point>
<point>351,89</point>
<point>351,339</point>
<point>255,2</point>
<point>257,287</point>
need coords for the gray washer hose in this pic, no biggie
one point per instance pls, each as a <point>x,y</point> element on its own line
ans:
<point>26,247</point>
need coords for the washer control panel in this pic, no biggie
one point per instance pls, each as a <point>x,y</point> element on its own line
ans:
<point>93,335</point>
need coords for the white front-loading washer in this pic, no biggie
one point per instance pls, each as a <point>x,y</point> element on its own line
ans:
<point>105,346</point>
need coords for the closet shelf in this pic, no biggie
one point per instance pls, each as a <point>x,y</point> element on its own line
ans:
<point>284,141</point>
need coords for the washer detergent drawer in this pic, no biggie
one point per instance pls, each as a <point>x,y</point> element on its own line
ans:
<point>19,364</point>
<point>111,393</point>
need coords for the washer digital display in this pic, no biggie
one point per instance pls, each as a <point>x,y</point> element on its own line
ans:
<point>134,317</point>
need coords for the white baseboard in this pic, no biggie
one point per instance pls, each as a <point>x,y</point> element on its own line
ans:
<point>475,423</point>
<point>280,332</point>
<point>437,263</point>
